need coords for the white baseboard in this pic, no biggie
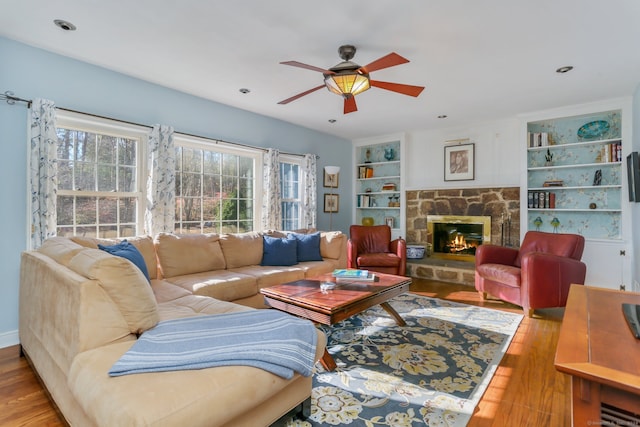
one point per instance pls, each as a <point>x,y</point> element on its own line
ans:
<point>7,339</point>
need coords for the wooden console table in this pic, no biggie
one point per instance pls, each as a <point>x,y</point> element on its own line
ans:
<point>598,350</point>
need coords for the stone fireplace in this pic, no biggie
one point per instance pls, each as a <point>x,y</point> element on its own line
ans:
<point>499,206</point>
<point>458,236</point>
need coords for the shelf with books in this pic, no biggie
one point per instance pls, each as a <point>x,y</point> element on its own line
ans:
<point>573,166</point>
<point>574,178</point>
<point>574,210</point>
<point>379,190</point>
<point>579,187</point>
<point>578,153</point>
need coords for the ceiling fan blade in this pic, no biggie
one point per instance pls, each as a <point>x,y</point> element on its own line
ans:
<point>307,67</point>
<point>397,87</point>
<point>387,61</point>
<point>350,105</point>
<point>300,95</point>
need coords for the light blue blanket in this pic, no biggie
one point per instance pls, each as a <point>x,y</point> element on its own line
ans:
<point>266,339</point>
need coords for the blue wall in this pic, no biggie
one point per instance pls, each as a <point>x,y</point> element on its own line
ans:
<point>34,73</point>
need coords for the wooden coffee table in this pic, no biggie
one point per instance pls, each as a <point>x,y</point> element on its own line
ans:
<point>304,298</point>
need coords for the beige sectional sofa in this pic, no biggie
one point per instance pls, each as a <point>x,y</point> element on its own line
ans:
<point>81,309</point>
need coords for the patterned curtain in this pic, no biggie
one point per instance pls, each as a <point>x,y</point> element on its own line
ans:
<point>161,183</point>
<point>43,170</point>
<point>271,201</point>
<point>309,195</point>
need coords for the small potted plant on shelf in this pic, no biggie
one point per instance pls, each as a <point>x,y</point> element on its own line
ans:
<point>548,157</point>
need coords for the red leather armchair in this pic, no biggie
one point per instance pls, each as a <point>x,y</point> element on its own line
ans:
<point>370,248</point>
<point>538,275</point>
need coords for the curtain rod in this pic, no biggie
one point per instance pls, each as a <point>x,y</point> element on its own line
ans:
<point>11,99</point>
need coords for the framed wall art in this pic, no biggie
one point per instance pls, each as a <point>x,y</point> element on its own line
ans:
<point>459,162</point>
<point>330,180</point>
<point>331,202</point>
<point>389,221</point>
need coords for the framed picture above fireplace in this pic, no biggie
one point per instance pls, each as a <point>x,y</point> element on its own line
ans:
<point>459,162</point>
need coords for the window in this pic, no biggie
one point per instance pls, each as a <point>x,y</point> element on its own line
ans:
<point>99,182</point>
<point>102,181</point>
<point>291,187</point>
<point>216,187</point>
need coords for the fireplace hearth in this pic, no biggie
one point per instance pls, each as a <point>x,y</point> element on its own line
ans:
<point>458,236</point>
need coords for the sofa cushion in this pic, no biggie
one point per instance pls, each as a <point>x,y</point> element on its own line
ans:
<point>313,269</point>
<point>126,250</point>
<point>331,243</point>
<point>143,243</point>
<point>242,249</point>
<point>124,283</point>
<point>226,285</point>
<point>308,246</point>
<point>60,249</point>
<point>181,254</point>
<point>203,397</point>
<point>279,251</point>
<point>272,275</point>
<point>175,302</point>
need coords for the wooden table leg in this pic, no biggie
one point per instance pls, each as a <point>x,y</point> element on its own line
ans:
<point>399,320</point>
<point>327,361</point>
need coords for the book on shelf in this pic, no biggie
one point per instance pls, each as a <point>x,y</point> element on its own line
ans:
<point>611,152</point>
<point>541,200</point>
<point>364,201</point>
<point>369,173</point>
<point>539,139</point>
<point>553,183</point>
<point>350,273</point>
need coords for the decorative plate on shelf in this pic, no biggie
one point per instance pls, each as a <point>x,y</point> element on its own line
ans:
<point>593,129</point>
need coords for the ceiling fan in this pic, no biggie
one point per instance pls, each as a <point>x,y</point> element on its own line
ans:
<point>348,79</point>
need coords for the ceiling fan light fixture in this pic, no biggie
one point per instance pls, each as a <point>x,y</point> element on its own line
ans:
<point>347,84</point>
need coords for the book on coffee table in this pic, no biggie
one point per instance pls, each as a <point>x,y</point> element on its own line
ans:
<point>370,277</point>
<point>350,273</point>
<point>344,275</point>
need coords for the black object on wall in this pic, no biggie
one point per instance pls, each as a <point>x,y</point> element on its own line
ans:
<point>633,176</point>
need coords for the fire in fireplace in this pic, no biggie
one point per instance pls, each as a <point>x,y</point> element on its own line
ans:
<point>457,235</point>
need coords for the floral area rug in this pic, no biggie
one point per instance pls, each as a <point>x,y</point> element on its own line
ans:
<point>432,372</point>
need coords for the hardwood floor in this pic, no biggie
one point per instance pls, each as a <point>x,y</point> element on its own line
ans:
<point>526,390</point>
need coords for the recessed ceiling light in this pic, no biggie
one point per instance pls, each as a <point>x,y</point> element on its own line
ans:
<point>564,69</point>
<point>332,120</point>
<point>65,25</point>
<point>245,90</point>
<point>442,116</point>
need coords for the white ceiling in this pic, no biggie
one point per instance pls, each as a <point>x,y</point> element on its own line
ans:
<point>479,60</point>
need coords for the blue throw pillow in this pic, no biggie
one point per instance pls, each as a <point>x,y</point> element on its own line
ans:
<point>126,250</point>
<point>308,246</point>
<point>279,251</point>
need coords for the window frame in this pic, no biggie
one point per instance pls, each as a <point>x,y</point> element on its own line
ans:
<point>202,143</point>
<point>100,125</point>
<point>300,162</point>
